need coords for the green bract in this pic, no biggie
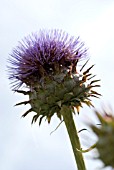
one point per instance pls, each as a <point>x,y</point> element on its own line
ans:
<point>105,143</point>
<point>48,96</point>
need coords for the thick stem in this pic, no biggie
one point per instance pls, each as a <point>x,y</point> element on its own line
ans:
<point>73,135</point>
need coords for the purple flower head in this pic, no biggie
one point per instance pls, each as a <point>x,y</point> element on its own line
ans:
<point>44,54</point>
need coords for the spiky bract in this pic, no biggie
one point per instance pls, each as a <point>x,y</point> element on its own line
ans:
<point>105,134</point>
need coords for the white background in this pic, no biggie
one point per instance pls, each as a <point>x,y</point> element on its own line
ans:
<point>26,147</point>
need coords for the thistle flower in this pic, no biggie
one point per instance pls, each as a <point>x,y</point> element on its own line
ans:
<point>105,134</point>
<point>46,63</point>
<point>44,54</point>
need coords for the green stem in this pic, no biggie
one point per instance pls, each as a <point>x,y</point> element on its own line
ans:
<point>73,135</point>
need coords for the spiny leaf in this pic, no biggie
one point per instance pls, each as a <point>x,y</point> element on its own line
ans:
<point>84,78</point>
<point>94,81</point>
<point>96,130</point>
<point>78,109</point>
<point>91,77</point>
<point>85,72</point>
<point>59,115</point>
<point>23,92</point>
<point>34,119</point>
<point>87,75</point>
<point>94,92</point>
<point>100,117</point>
<point>84,65</point>
<point>49,119</point>
<point>26,113</point>
<point>25,102</point>
<point>74,66</point>
<point>88,103</point>
<point>41,120</point>
<point>95,86</point>
<point>94,96</point>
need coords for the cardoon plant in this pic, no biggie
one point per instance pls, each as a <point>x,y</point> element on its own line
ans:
<point>46,64</point>
<point>105,134</point>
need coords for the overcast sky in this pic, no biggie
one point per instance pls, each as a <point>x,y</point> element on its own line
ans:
<point>26,147</point>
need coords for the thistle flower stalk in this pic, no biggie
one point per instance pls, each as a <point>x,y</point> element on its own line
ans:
<point>46,65</point>
<point>73,135</point>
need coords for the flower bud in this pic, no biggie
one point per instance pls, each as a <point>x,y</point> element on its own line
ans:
<point>105,134</point>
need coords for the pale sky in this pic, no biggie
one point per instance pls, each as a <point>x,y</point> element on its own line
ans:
<point>26,147</point>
